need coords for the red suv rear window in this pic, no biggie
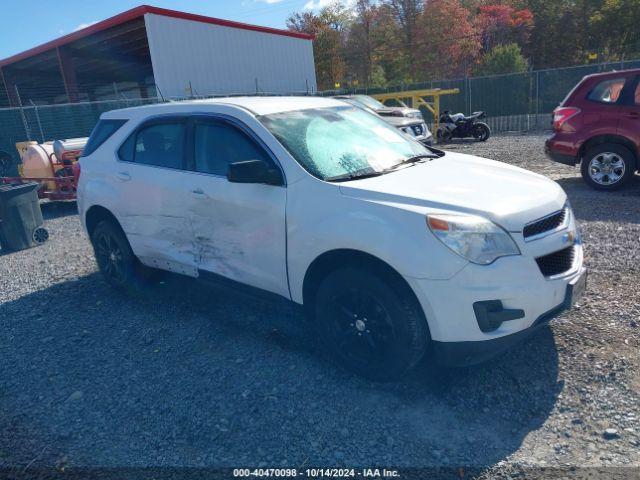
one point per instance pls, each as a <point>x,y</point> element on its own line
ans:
<point>607,91</point>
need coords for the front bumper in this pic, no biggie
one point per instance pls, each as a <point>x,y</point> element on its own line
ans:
<point>462,354</point>
<point>517,282</point>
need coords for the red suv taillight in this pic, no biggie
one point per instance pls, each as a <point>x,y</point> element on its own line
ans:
<point>561,115</point>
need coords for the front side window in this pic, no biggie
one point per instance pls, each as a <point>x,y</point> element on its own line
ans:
<point>341,141</point>
<point>636,96</point>
<point>607,91</point>
<point>218,145</point>
<point>160,145</point>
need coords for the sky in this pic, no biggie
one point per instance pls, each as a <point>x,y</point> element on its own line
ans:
<point>28,23</point>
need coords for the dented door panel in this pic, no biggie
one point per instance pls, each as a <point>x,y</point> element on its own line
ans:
<point>239,232</point>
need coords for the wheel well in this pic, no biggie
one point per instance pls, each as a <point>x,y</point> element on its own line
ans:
<point>97,214</point>
<point>336,259</point>
<point>601,139</point>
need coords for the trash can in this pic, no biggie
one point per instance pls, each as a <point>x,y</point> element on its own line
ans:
<point>20,217</point>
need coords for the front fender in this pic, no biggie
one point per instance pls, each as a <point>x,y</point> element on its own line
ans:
<point>392,233</point>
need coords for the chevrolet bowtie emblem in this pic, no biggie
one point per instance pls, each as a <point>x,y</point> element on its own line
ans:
<point>569,238</point>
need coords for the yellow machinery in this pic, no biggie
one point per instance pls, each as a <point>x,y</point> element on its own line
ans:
<point>419,98</point>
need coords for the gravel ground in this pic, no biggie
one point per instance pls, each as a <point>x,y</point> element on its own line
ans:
<point>192,376</point>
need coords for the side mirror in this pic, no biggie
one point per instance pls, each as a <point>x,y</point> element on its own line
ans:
<point>254,171</point>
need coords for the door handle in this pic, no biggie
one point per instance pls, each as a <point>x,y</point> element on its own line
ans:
<point>632,115</point>
<point>199,193</point>
<point>123,176</point>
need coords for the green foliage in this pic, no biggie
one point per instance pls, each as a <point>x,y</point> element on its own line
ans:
<point>617,23</point>
<point>375,43</point>
<point>503,59</point>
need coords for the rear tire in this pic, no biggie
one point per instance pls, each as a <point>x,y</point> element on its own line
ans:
<point>371,324</point>
<point>481,131</point>
<point>443,135</point>
<point>116,261</point>
<point>608,167</point>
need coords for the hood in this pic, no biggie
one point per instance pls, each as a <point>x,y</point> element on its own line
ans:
<point>399,112</point>
<point>507,195</point>
<point>403,121</point>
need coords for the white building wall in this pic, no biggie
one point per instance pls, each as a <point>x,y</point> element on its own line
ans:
<point>207,59</point>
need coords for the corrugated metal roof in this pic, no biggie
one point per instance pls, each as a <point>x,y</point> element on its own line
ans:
<point>137,13</point>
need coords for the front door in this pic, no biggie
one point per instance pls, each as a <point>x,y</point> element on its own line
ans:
<point>239,229</point>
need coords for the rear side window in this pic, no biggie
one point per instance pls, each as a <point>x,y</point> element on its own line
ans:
<point>607,91</point>
<point>218,145</point>
<point>637,95</point>
<point>159,144</point>
<point>103,130</point>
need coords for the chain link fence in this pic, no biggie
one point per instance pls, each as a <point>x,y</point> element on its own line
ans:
<point>513,102</point>
<point>53,122</point>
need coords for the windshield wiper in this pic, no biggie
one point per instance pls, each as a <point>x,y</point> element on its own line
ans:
<point>353,176</point>
<point>417,158</point>
<point>356,176</point>
<point>412,160</point>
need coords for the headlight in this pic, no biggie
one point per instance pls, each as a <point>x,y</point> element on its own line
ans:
<point>474,238</point>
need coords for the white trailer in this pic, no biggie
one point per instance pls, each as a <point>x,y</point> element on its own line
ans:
<point>200,57</point>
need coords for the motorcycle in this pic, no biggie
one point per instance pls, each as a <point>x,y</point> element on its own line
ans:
<point>459,125</point>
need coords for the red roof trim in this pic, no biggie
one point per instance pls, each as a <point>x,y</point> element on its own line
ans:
<point>139,12</point>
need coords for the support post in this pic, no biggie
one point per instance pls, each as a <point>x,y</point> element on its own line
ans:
<point>10,89</point>
<point>68,72</point>
<point>27,130</point>
<point>35,107</point>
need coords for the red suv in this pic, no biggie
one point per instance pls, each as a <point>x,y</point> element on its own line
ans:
<point>598,125</point>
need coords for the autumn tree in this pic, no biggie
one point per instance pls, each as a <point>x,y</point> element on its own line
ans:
<point>330,27</point>
<point>448,42</point>
<point>390,56</point>
<point>502,24</point>
<point>359,50</point>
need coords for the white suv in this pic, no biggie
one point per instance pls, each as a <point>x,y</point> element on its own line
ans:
<point>392,248</point>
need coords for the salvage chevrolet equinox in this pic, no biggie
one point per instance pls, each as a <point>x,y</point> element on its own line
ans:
<point>393,249</point>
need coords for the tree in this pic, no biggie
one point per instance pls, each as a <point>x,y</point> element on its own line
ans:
<point>359,51</point>
<point>616,26</point>
<point>330,28</point>
<point>449,45</point>
<point>503,59</point>
<point>502,24</point>
<point>389,52</point>
<point>406,13</point>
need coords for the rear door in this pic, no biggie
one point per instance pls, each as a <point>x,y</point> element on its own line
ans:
<point>239,229</point>
<point>154,192</point>
<point>629,126</point>
<point>601,105</point>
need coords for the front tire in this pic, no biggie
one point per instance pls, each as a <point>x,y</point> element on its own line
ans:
<point>371,324</point>
<point>115,259</point>
<point>608,167</point>
<point>481,131</point>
